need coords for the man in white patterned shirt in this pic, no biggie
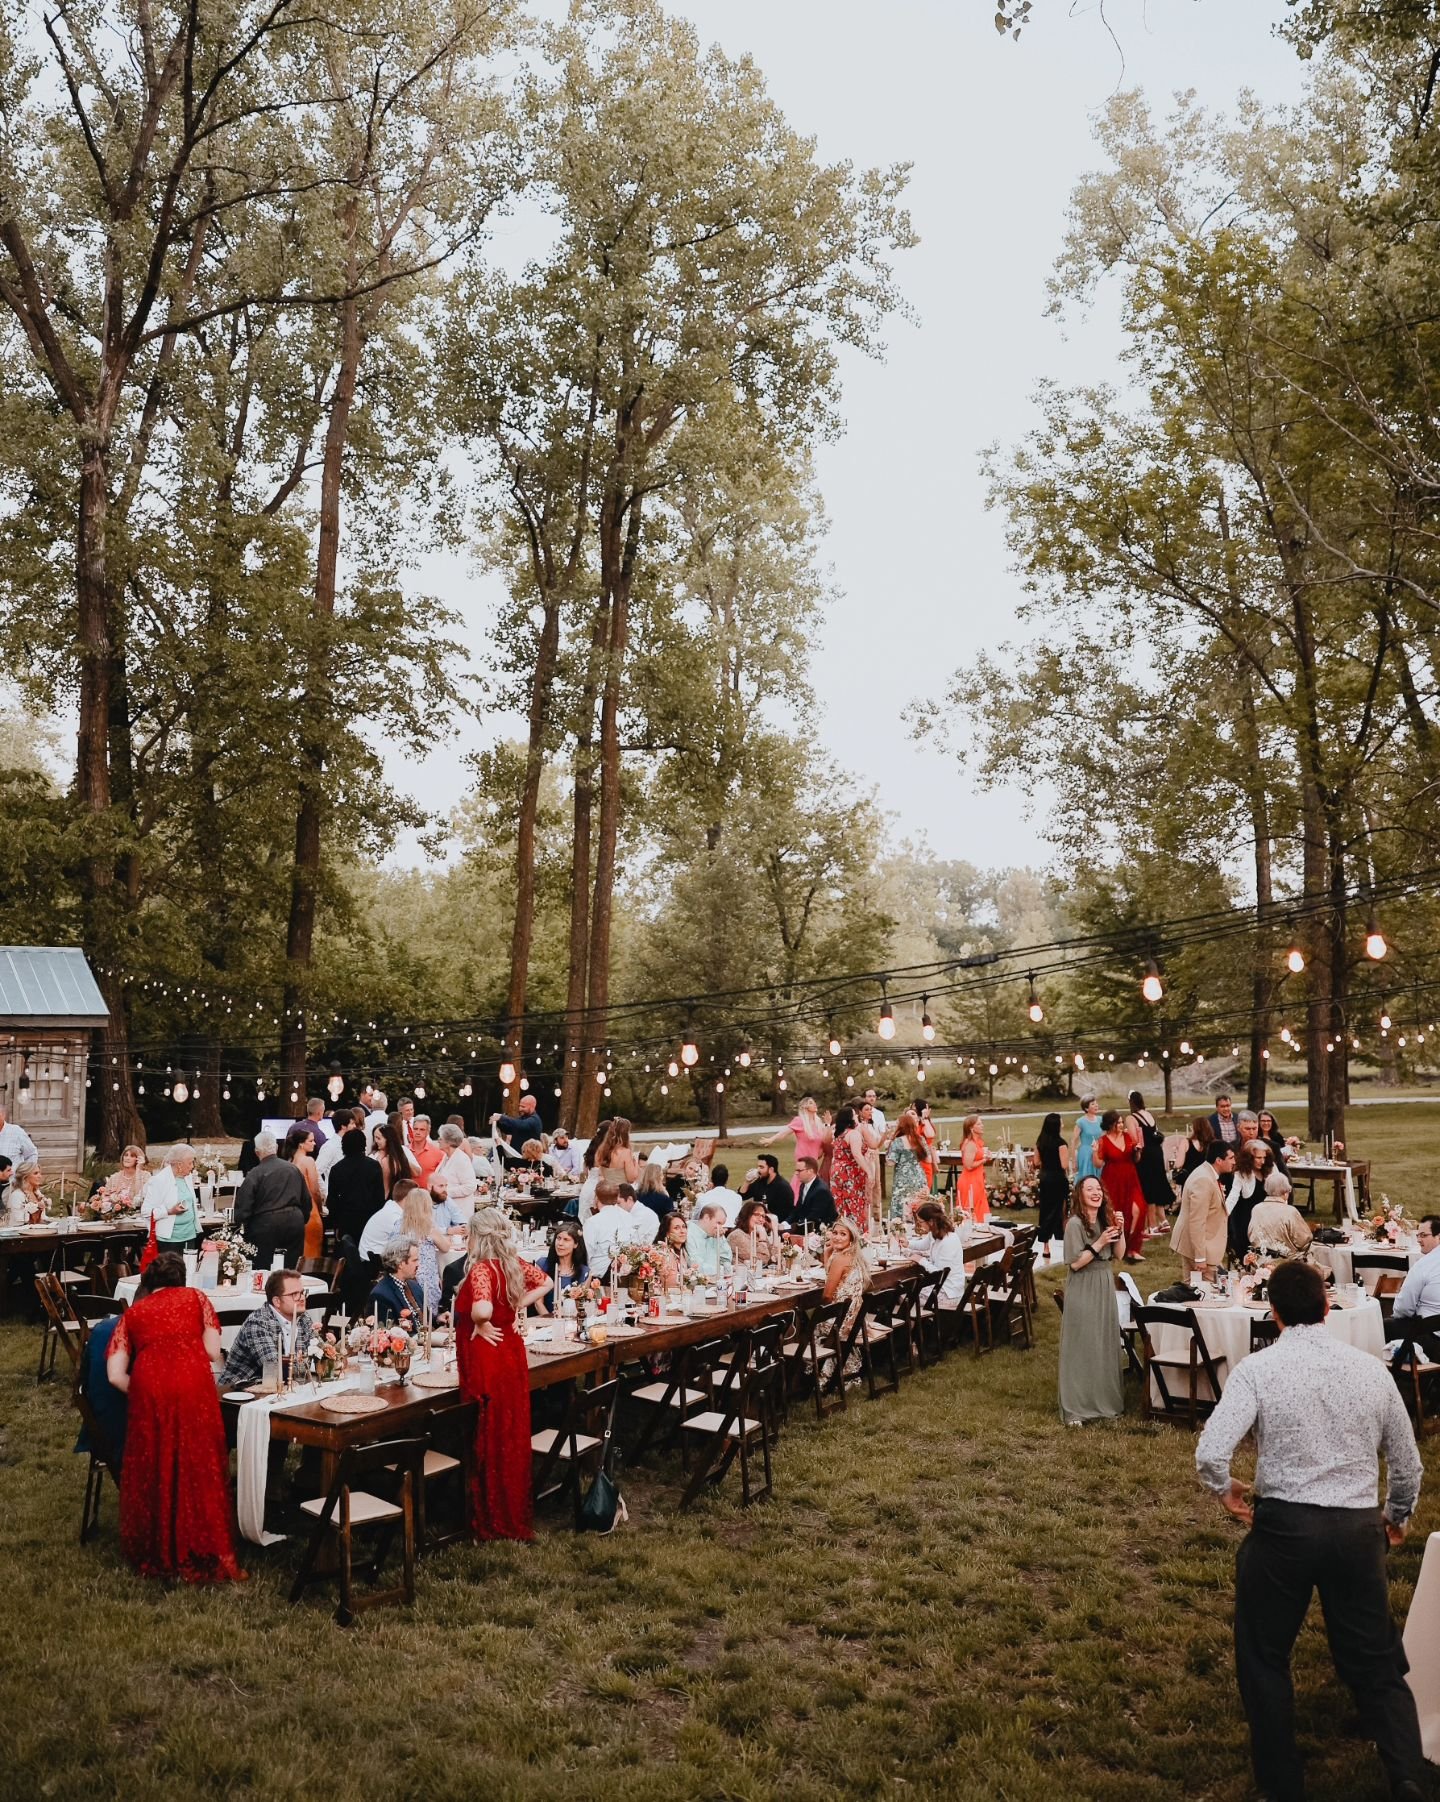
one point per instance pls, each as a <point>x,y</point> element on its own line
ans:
<point>1322,1413</point>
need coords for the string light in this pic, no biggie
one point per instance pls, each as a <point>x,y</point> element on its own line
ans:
<point>689,1053</point>
<point>1375,946</point>
<point>1035,1011</point>
<point>1152,988</point>
<point>927,1025</point>
<point>507,1072</point>
<point>886,1027</point>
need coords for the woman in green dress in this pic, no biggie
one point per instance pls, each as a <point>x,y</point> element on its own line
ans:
<point>1091,1380</point>
<point>909,1185</point>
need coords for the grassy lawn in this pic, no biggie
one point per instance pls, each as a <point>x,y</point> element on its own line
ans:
<point>951,1595</point>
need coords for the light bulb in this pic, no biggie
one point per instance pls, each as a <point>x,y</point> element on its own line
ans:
<point>719,1088</point>
<point>834,1046</point>
<point>782,1084</point>
<point>1295,960</point>
<point>524,1085</point>
<point>927,1030</point>
<point>1385,1022</point>
<point>1375,946</point>
<point>744,1060</point>
<point>689,1054</point>
<point>507,1073</point>
<point>181,1091</point>
<point>1184,1047</point>
<point>995,1069</point>
<point>1036,1012</point>
<point>419,1091</point>
<point>672,1068</point>
<point>887,1021</point>
<point>1079,1061</point>
<point>336,1086</point>
<point>1152,988</point>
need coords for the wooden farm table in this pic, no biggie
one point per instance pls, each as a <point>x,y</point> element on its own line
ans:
<point>1350,1183</point>
<point>71,1242</point>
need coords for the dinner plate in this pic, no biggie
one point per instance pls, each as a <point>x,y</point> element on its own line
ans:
<point>238,1395</point>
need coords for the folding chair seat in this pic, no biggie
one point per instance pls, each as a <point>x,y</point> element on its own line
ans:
<point>1202,1372</point>
<point>879,1338</point>
<point>737,1425</point>
<point>1008,1299</point>
<point>346,1507</point>
<point>90,1309</point>
<point>668,1399</point>
<point>589,1415</point>
<point>61,1327</point>
<point>1387,1287</point>
<point>1369,1266</point>
<point>438,1465</point>
<point>1416,1362</point>
<point>816,1338</point>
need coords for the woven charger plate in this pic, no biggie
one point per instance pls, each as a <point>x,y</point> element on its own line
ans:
<point>352,1403</point>
<point>435,1379</point>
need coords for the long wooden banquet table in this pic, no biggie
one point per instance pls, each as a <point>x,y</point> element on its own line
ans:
<point>44,1244</point>
<point>409,1408</point>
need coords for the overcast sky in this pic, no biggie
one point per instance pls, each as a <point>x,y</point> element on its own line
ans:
<point>998,133</point>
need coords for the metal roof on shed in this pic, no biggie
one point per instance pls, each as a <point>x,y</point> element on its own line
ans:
<point>48,985</point>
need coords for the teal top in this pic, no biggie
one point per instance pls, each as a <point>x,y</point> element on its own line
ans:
<point>184,1225</point>
<point>1089,1131</point>
<point>710,1255</point>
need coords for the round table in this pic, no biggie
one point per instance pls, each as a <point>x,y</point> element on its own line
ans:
<point>1226,1330</point>
<point>1339,1257</point>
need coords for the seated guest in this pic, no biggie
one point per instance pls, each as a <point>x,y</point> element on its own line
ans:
<point>398,1297</point>
<point>675,1253</point>
<point>485,1171</point>
<point>107,1403</point>
<point>769,1186</point>
<point>383,1225</point>
<point>532,1158</point>
<point>814,1204</point>
<point>938,1247</point>
<point>847,1277</point>
<point>1419,1298</point>
<point>564,1263</point>
<point>281,1330</point>
<point>1275,1226</point>
<point>652,1192</point>
<point>448,1219</point>
<point>563,1158</point>
<point>709,1249</point>
<point>720,1191</point>
<point>755,1230</point>
<point>25,1201</point>
<point>619,1219</point>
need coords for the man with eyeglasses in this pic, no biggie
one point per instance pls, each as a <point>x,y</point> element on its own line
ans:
<point>1419,1298</point>
<point>280,1329</point>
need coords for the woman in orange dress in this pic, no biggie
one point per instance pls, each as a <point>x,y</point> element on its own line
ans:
<point>497,1290</point>
<point>971,1195</point>
<point>300,1149</point>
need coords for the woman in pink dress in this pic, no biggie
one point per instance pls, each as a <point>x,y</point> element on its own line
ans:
<point>494,1371</point>
<point>849,1177</point>
<point>1120,1178</point>
<point>811,1133</point>
<point>971,1195</point>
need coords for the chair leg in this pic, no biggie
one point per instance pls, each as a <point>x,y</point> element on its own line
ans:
<point>345,1614</point>
<point>412,1530</point>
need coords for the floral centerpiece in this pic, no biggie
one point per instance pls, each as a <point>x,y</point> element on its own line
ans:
<point>390,1346</point>
<point>1387,1223</point>
<point>107,1204</point>
<point>789,1255</point>
<point>210,1164</point>
<point>1255,1274</point>
<point>327,1357</point>
<point>641,1267</point>
<point>236,1253</point>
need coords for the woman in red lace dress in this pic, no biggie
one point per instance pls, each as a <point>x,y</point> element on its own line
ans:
<point>175,1508</point>
<point>1120,1178</point>
<point>493,1371</point>
<point>849,1178</point>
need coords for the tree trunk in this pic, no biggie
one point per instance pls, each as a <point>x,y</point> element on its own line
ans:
<point>1317,1009</point>
<point>206,1120</point>
<point>1169,1076</point>
<point>305,877</point>
<point>1262,975</point>
<point>1338,1061</point>
<point>575,1059</point>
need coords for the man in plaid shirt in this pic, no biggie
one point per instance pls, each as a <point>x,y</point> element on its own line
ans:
<point>281,1329</point>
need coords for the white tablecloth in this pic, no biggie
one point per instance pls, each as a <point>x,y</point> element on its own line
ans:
<point>1301,1168</point>
<point>1339,1258</point>
<point>1226,1331</point>
<point>1422,1648</point>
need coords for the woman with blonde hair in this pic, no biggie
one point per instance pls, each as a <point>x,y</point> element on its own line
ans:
<point>496,1291</point>
<point>847,1277</point>
<point>812,1135</point>
<point>130,1179</point>
<point>417,1220</point>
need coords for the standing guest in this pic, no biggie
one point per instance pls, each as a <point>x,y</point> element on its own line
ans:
<point>814,1204</point>
<point>169,1200</point>
<point>939,1247</point>
<point>1087,1131</point>
<point>397,1299</point>
<point>132,1176</point>
<point>564,1263</point>
<point>15,1142</point>
<point>1267,1128</point>
<point>342,1121</point>
<point>406,1123</point>
<point>1115,1154</point>
<point>511,1131</point>
<point>281,1330</point>
<point>709,1248</point>
<point>847,1168</point>
<point>496,1292</point>
<point>313,1125</point>
<point>1276,1228</point>
<point>458,1169</point>
<point>877,1113</point>
<point>1200,1226</point>
<point>755,1230</point>
<point>357,1194</point>
<point>1052,1160</point>
<point>768,1186</point>
<point>1322,1413</point>
<point>1092,1384</point>
<point>1246,1189</point>
<point>1223,1123</point>
<point>931,1138</point>
<point>299,1148</point>
<point>107,1403</point>
<point>418,1222</point>
<point>425,1154</point>
<point>377,1108</point>
<point>847,1277</point>
<point>907,1149</point>
<point>674,1249</point>
<point>614,1157</point>
<point>810,1132</point>
<point>971,1195</point>
<point>1150,1163</point>
<point>396,1164</point>
<point>1200,1136</point>
<point>1419,1297</point>
<point>871,1132</point>
<point>272,1206</point>
<point>175,1482</point>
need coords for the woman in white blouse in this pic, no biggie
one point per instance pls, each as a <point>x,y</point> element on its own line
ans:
<point>939,1247</point>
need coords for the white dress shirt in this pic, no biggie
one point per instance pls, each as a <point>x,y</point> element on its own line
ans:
<point>458,1169</point>
<point>1323,1412</point>
<point>565,1160</point>
<point>1419,1298</point>
<point>382,1226</point>
<point>17,1145</point>
<point>615,1225</point>
<point>877,1118</point>
<point>729,1199</point>
<point>327,1158</point>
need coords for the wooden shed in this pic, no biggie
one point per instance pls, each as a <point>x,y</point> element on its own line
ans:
<point>50,1006</point>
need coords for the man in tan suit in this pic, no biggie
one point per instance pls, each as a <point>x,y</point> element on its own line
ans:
<point>1199,1235</point>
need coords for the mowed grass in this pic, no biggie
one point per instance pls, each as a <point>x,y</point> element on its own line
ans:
<point>950,1595</point>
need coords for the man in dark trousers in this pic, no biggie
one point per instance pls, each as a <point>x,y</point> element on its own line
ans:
<point>1322,1413</point>
<point>272,1206</point>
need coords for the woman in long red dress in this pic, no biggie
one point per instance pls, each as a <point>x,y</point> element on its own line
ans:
<point>496,1291</point>
<point>1120,1178</point>
<point>175,1508</point>
<point>849,1178</point>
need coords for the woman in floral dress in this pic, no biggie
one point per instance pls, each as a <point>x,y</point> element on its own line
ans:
<point>908,1150</point>
<point>849,1179</point>
<point>496,1291</point>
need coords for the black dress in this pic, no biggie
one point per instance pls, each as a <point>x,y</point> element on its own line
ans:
<point>1053,1192</point>
<point>1154,1183</point>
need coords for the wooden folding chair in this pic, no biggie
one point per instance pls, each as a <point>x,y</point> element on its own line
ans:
<point>876,1337</point>
<point>1009,1298</point>
<point>668,1399</point>
<point>736,1426</point>
<point>974,1307</point>
<point>1196,1365</point>
<point>331,1269</point>
<point>62,1326</point>
<point>569,1447</point>
<point>816,1338</point>
<point>1387,1287</point>
<point>346,1507</point>
<point>927,1316</point>
<point>904,1321</point>
<point>104,1456</point>
<point>1416,1362</point>
<point>1129,1335</point>
<point>1378,1263</point>
<point>88,1309</point>
<point>1263,1332</point>
<point>459,1426</point>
